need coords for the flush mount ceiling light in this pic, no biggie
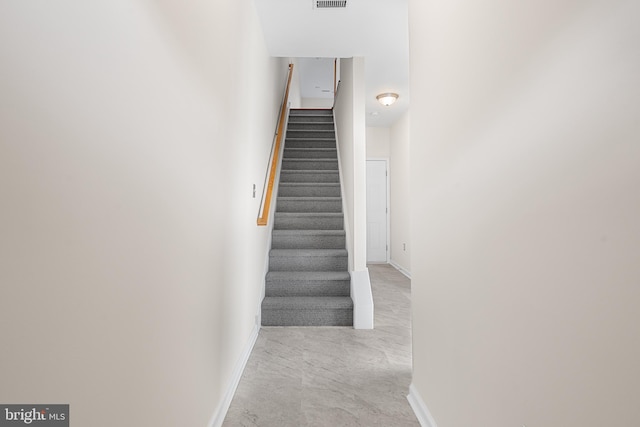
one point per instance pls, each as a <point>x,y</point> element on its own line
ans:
<point>387,99</point>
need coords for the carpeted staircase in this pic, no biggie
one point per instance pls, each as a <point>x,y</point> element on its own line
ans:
<point>308,282</point>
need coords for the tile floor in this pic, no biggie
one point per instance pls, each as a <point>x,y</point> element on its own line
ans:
<point>335,376</point>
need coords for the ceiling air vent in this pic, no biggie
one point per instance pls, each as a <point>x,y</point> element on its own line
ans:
<point>329,4</point>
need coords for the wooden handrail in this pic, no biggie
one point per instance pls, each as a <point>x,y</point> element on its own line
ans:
<point>263,219</point>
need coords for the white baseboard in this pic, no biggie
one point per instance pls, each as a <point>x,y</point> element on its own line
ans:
<point>400,268</point>
<point>420,408</point>
<point>221,411</point>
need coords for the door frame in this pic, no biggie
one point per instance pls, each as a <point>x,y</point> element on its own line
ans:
<point>388,202</point>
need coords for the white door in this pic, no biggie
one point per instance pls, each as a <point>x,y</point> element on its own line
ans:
<point>376,211</point>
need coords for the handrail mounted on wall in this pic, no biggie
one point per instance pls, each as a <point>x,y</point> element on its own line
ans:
<point>263,217</point>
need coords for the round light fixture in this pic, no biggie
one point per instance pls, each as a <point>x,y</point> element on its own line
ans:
<point>387,99</point>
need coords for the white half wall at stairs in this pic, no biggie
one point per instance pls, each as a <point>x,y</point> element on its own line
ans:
<point>362,299</point>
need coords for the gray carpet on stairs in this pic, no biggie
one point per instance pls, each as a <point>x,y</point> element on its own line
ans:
<point>308,282</point>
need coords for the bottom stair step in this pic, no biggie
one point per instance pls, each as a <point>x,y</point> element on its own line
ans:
<point>307,311</point>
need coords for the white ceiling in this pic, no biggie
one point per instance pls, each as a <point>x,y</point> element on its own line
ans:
<point>374,29</point>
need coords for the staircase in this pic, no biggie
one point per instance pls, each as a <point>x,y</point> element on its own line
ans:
<point>308,282</point>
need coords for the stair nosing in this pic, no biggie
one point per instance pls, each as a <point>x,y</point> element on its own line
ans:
<point>311,130</point>
<point>339,275</point>
<point>306,231</point>
<point>308,252</point>
<point>310,149</point>
<point>309,170</point>
<point>310,213</point>
<point>298,198</point>
<point>306,184</point>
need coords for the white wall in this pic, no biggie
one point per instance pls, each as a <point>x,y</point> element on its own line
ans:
<point>400,194</point>
<point>317,102</point>
<point>377,142</point>
<point>295,98</point>
<point>131,263</point>
<point>351,132</point>
<point>525,211</point>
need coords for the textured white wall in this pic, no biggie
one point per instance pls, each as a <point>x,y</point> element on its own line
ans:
<point>131,264</point>
<point>526,225</point>
<point>400,194</point>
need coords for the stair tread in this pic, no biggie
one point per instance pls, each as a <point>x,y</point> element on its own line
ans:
<point>311,124</point>
<point>306,303</point>
<point>310,232</point>
<point>308,275</point>
<point>308,252</point>
<point>310,148</point>
<point>311,112</point>
<point>307,138</point>
<point>310,159</point>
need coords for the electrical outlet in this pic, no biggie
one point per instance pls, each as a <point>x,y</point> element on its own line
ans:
<point>254,191</point>
<point>404,247</point>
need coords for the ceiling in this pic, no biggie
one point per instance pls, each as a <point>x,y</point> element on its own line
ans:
<point>374,29</point>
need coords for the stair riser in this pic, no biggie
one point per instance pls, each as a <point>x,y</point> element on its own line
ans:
<point>291,133</point>
<point>309,205</point>
<point>309,191</point>
<point>302,177</point>
<point>288,164</point>
<point>339,317</point>
<point>310,143</point>
<point>308,223</point>
<point>305,263</point>
<point>315,118</point>
<point>308,289</point>
<point>310,153</point>
<point>311,112</point>
<point>308,242</point>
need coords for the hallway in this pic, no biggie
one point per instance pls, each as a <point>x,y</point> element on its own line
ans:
<point>333,376</point>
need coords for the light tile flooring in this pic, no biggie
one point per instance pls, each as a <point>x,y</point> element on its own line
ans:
<point>333,376</point>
